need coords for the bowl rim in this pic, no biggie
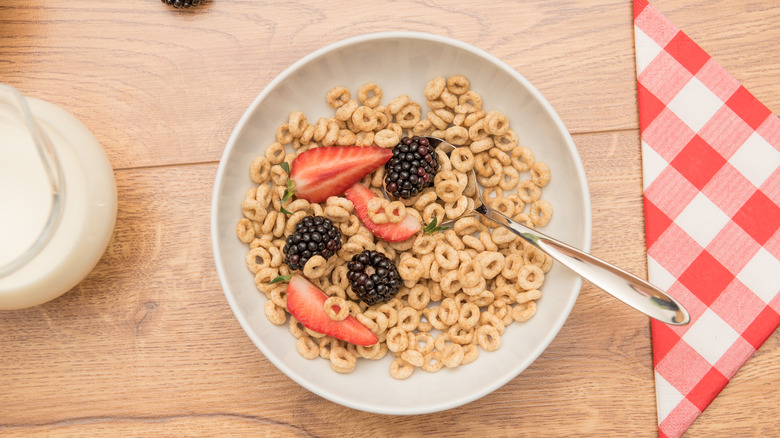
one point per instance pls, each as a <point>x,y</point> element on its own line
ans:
<point>248,114</point>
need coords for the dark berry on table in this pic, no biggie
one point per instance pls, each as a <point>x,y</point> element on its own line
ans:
<point>182,3</point>
<point>412,167</point>
<point>374,278</point>
<point>313,235</point>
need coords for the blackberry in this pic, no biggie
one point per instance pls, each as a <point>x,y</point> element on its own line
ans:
<point>182,3</point>
<point>374,278</point>
<point>313,235</point>
<point>412,168</point>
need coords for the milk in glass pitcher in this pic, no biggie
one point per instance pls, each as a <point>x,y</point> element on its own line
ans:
<point>57,201</point>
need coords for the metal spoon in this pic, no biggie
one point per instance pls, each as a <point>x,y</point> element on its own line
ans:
<point>624,286</point>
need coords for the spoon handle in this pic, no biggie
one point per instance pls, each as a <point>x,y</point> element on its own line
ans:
<point>626,287</point>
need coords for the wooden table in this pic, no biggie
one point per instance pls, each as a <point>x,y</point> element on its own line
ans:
<point>147,344</point>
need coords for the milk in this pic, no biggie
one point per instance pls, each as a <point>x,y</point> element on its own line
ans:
<point>25,191</point>
<point>88,200</point>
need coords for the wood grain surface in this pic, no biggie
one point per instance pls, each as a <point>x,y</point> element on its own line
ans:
<point>146,345</point>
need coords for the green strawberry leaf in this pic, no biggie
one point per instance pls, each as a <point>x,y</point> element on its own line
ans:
<point>286,166</point>
<point>283,210</point>
<point>281,278</point>
<point>288,192</point>
<point>431,228</point>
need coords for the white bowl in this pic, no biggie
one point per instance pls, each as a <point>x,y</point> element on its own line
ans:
<point>401,62</point>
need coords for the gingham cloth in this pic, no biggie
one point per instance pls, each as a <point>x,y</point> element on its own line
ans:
<point>711,163</point>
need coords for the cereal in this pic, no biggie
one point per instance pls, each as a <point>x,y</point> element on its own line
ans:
<point>297,124</point>
<point>409,115</point>
<point>540,212</point>
<point>260,170</point>
<point>400,369</point>
<point>370,95</point>
<point>307,347</point>
<point>333,303</point>
<point>456,135</point>
<point>345,111</point>
<point>461,287</point>
<point>530,277</point>
<point>338,96</point>
<point>434,88</point>
<point>341,360</point>
<point>457,84</point>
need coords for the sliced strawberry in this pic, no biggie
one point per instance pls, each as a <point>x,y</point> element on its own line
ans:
<point>323,172</point>
<point>307,304</point>
<point>408,227</point>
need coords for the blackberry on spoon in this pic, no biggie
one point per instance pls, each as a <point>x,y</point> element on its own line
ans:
<point>412,168</point>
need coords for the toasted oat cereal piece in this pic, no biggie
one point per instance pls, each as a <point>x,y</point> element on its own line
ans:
<point>457,84</point>
<point>370,94</point>
<point>338,96</point>
<point>434,88</point>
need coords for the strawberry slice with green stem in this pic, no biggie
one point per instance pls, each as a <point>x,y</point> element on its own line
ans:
<point>306,302</point>
<point>322,172</point>
<point>391,232</point>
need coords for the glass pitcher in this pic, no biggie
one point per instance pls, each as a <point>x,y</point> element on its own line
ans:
<point>57,200</point>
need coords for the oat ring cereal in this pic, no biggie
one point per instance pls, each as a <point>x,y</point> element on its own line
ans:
<point>522,159</point>
<point>457,209</point>
<point>524,312</point>
<point>446,256</point>
<point>386,138</point>
<point>506,142</point>
<point>376,210</point>
<point>466,225</point>
<point>449,191</point>
<point>528,191</point>
<point>432,211</point>
<point>260,170</point>
<point>483,145</point>
<point>530,295</point>
<point>345,111</point>
<point>370,95</point>
<point>496,123</point>
<point>419,297</point>
<point>342,361</point>
<point>333,303</point>
<point>460,288</point>
<point>453,355</point>
<point>395,211</point>
<point>541,212</point>
<point>397,340</point>
<point>469,273</point>
<point>540,174</point>
<point>491,263</point>
<point>448,312</point>
<point>423,245</point>
<point>307,347</point>
<point>297,124</point>
<point>457,84</point>
<point>315,267</point>
<point>408,319</point>
<point>434,88</point>
<point>469,316</point>
<point>409,115</point>
<point>400,369</point>
<point>462,159</point>
<point>456,135</point>
<point>364,118</point>
<point>338,96</point>
<point>411,269</point>
<point>530,277</point>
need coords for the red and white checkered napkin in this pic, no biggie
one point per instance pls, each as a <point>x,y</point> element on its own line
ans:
<point>711,161</point>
